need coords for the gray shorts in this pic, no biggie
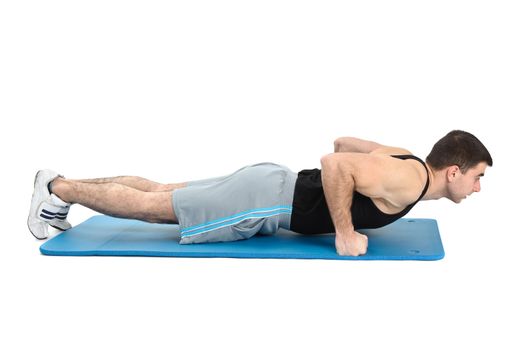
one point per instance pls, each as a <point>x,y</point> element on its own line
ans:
<point>254,199</point>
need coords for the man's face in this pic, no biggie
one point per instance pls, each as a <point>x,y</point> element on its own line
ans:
<point>463,185</point>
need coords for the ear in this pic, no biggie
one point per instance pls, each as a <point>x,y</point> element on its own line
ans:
<point>452,173</point>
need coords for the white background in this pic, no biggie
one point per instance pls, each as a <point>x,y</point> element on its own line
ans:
<point>181,90</point>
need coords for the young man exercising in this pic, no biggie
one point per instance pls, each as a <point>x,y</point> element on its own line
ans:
<point>361,185</point>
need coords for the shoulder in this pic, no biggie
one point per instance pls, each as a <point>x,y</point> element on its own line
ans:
<point>404,179</point>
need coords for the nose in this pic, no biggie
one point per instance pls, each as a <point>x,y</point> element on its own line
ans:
<point>476,188</point>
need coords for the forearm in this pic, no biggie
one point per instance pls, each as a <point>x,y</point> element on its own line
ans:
<point>338,187</point>
<point>353,144</point>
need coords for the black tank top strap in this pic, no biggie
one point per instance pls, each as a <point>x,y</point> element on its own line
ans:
<point>410,156</point>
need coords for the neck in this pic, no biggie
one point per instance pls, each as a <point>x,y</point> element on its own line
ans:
<point>436,189</point>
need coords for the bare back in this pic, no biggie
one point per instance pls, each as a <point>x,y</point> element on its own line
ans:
<point>391,183</point>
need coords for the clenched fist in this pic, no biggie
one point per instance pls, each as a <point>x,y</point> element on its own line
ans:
<point>351,243</point>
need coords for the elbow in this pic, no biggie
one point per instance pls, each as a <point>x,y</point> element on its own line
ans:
<point>339,144</point>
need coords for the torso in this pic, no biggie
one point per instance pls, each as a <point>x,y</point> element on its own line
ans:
<point>311,215</point>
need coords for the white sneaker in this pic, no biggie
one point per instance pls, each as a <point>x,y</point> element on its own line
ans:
<point>60,222</point>
<point>46,208</point>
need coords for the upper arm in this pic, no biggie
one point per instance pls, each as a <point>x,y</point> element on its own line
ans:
<point>354,144</point>
<point>388,150</point>
<point>374,175</point>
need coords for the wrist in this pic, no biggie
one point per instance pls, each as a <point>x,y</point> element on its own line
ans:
<point>347,231</point>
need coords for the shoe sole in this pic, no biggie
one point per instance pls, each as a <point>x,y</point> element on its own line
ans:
<point>34,185</point>
<point>58,228</point>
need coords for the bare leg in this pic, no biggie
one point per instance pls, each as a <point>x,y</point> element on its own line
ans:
<point>118,200</point>
<point>137,182</point>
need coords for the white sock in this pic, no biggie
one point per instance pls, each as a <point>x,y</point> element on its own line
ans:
<point>57,201</point>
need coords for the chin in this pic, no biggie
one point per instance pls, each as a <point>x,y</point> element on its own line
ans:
<point>461,199</point>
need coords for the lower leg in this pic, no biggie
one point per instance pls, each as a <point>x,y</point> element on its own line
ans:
<point>117,200</point>
<point>137,182</point>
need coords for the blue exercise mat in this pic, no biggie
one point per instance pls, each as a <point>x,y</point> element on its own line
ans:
<point>405,239</point>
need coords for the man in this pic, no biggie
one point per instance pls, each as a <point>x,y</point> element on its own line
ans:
<point>362,184</point>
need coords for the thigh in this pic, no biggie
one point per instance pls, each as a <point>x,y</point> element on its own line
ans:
<point>236,207</point>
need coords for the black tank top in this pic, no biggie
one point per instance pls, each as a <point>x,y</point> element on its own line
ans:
<point>310,214</point>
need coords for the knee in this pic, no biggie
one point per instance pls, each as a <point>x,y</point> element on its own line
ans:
<point>158,208</point>
<point>153,219</point>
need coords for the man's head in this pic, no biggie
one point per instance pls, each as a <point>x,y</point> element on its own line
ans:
<point>462,159</point>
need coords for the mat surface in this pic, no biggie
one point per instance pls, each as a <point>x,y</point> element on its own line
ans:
<point>405,239</point>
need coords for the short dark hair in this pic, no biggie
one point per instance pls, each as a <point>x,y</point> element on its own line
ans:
<point>458,148</point>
